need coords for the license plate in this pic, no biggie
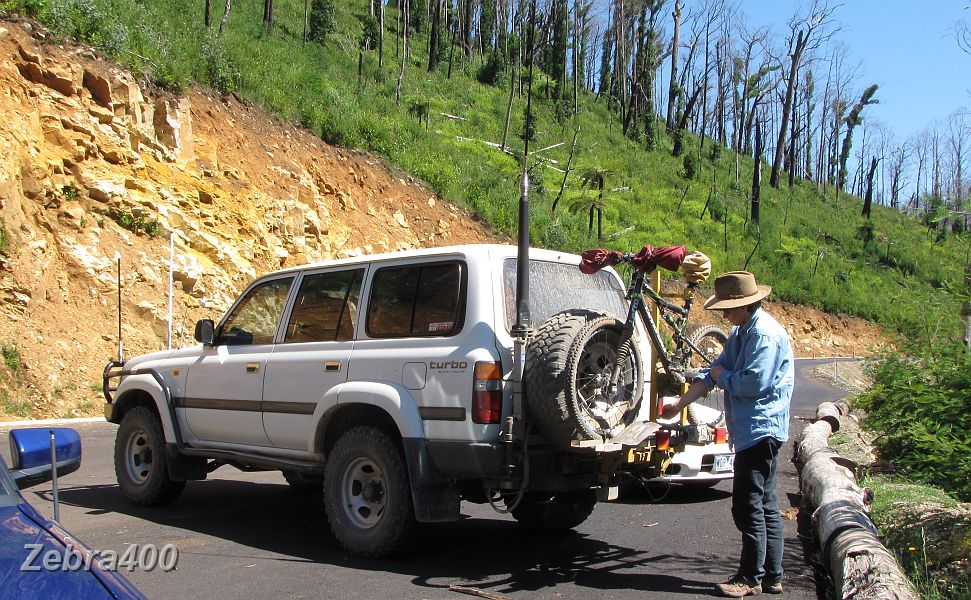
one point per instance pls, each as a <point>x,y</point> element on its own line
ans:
<point>724,463</point>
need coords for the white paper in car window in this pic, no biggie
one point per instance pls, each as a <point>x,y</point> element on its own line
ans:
<point>443,326</point>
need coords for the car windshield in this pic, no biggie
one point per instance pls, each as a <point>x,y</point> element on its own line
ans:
<point>9,495</point>
<point>555,287</point>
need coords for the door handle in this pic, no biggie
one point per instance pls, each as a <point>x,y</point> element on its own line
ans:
<point>332,366</point>
<point>252,367</point>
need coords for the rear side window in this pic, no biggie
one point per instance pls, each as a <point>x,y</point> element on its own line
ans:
<point>417,301</point>
<point>325,308</point>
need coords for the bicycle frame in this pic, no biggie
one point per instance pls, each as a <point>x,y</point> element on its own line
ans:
<point>675,363</point>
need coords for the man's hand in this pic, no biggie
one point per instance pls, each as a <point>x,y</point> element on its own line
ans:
<point>670,407</point>
<point>716,371</point>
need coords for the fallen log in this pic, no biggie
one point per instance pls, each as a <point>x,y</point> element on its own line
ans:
<point>861,567</point>
<point>827,411</point>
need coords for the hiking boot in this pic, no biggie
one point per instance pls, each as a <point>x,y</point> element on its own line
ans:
<point>739,587</point>
<point>772,588</point>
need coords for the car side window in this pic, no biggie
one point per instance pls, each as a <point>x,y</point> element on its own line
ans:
<point>326,307</point>
<point>256,316</point>
<point>417,301</point>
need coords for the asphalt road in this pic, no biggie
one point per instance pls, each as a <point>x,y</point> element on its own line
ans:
<point>248,535</point>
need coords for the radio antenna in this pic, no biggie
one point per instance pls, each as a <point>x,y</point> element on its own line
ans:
<point>121,352</point>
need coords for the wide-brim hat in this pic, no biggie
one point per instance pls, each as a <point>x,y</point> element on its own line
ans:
<point>734,289</point>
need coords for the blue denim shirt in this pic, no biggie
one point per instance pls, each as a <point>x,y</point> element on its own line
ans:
<point>757,380</point>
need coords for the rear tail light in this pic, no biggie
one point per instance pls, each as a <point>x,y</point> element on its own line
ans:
<point>663,439</point>
<point>721,435</point>
<point>487,393</point>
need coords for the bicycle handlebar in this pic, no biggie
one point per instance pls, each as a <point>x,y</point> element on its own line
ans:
<point>648,259</point>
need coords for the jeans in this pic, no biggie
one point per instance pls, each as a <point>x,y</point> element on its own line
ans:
<point>755,509</point>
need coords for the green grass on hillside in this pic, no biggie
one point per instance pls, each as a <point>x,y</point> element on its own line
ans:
<point>810,247</point>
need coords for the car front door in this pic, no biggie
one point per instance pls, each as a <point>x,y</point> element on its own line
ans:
<point>313,356</point>
<point>224,387</point>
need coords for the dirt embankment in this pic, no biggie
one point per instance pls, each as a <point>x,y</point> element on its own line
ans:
<point>94,166</point>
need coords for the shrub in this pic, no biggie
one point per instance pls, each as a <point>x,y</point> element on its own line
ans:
<point>690,163</point>
<point>11,358</point>
<point>221,72</point>
<point>490,73</point>
<point>80,19</point>
<point>922,409</point>
<point>323,18</point>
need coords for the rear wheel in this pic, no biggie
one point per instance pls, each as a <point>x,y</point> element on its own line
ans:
<point>140,462</point>
<point>710,339</point>
<point>555,511</point>
<point>366,493</point>
<point>569,363</point>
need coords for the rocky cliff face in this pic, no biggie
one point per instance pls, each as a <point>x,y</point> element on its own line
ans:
<point>94,165</point>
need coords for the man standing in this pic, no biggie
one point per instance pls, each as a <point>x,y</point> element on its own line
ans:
<point>755,369</point>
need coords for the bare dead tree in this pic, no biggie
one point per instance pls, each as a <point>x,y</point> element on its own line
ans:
<point>853,119</point>
<point>673,85</point>
<point>404,51</point>
<point>868,197</point>
<point>222,23</point>
<point>806,34</point>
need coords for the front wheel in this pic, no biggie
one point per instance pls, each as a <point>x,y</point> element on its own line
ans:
<point>555,511</point>
<point>366,493</point>
<point>710,409</point>
<point>140,462</point>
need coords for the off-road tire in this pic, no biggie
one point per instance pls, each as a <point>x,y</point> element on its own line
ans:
<point>303,485</point>
<point>555,511</point>
<point>366,493</point>
<point>564,355</point>
<point>140,462</point>
<point>710,339</point>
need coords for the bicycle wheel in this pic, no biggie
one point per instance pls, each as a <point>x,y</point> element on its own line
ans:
<point>710,339</point>
<point>568,368</point>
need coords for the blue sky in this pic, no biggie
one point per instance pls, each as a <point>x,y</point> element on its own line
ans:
<point>906,47</point>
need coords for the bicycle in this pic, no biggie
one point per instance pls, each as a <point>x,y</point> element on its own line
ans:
<point>603,367</point>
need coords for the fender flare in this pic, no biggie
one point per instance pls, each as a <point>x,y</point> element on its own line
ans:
<point>393,399</point>
<point>147,381</point>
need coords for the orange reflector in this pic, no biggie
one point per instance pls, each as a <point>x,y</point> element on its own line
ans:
<point>663,439</point>
<point>487,393</point>
<point>488,370</point>
<point>721,435</point>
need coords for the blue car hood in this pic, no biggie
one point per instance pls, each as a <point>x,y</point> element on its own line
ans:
<point>20,525</point>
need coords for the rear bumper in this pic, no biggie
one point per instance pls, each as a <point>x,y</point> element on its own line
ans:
<point>696,463</point>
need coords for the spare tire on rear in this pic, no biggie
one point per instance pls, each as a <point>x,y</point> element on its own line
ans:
<point>568,367</point>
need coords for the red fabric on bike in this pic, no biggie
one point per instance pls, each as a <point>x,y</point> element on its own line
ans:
<point>668,257</point>
<point>598,258</point>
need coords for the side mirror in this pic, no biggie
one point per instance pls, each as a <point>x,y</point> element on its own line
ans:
<point>30,454</point>
<point>205,331</point>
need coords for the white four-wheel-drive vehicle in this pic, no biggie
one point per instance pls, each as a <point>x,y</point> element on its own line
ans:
<point>390,381</point>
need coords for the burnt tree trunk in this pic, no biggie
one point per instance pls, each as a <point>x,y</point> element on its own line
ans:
<point>868,198</point>
<point>780,147</point>
<point>757,176</point>
<point>434,36</point>
<point>673,85</point>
